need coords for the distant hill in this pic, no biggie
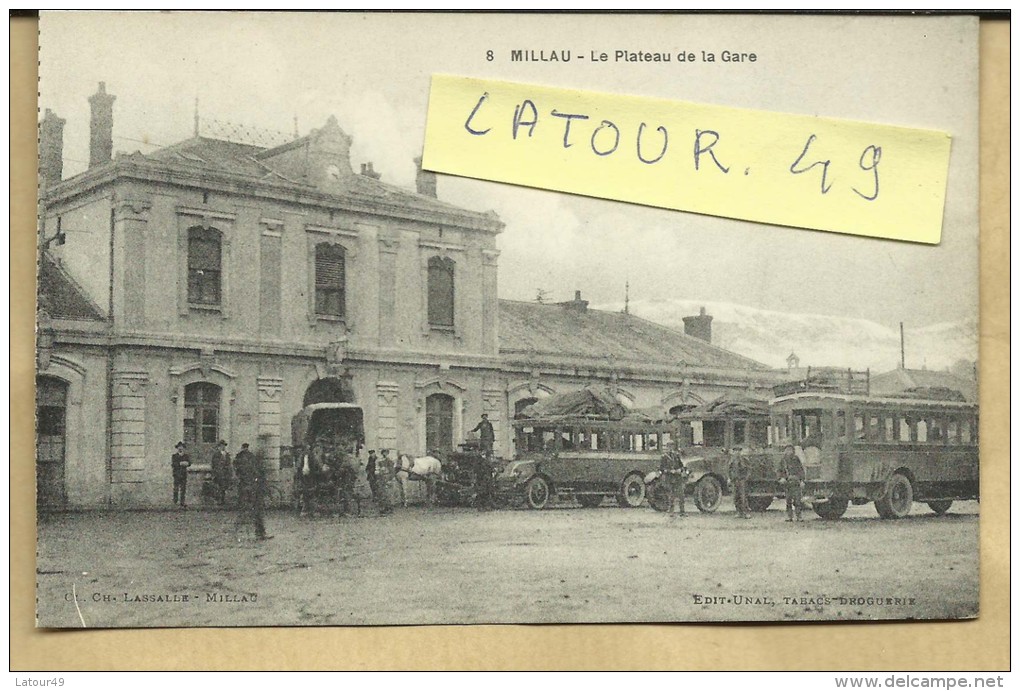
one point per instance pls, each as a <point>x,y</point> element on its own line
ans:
<point>818,340</point>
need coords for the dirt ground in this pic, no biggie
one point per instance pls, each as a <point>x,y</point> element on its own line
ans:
<point>454,565</point>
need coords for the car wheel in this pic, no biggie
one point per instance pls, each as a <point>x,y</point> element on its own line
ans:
<point>898,497</point>
<point>632,492</point>
<point>832,509</point>
<point>707,494</point>
<point>537,492</point>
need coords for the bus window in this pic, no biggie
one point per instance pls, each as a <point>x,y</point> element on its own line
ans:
<point>858,426</point>
<point>807,427</point>
<point>874,429</point>
<point>965,433</point>
<point>548,440</point>
<point>667,437</point>
<point>841,425</point>
<point>714,432</point>
<point>905,424</point>
<point>567,440</point>
<point>697,433</point>
<point>889,433</point>
<point>739,433</point>
<point>936,431</point>
<point>953,431</point>
<point>759,433</point>
<point>922,430</point>
<point>781,429</point>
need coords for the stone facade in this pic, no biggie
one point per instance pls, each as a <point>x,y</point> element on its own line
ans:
<point>210,318</point>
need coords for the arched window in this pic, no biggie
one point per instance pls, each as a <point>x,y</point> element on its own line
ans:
<point>329,280</point>
<point>441,272</point>
<point>439,422</point>
<point>204,272</point>
<point>202,422</point>
<point>51,440</point>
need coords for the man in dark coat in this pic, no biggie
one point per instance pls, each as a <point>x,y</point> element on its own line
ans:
<point>485,489</point>
<point>347,477</point>
<point>486,435</point>
<point>740,474</point>
<point>791,474</point>
<point>221,471</point>
<point>251,478</point>
<point>372,471</point>
<point>179,464</point>
<point>674,475</point>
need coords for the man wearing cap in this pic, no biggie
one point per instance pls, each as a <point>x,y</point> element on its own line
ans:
<point>251,479</point>
<point>791,476</point>
<point>221,470</point>
<point>486,435</point>
<point>179,464</point>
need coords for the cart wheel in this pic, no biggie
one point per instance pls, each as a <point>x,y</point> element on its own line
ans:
<point>537,492</point>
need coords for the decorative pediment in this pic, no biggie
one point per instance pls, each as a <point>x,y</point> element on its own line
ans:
<point>442,384</point>
<point>203,367</point>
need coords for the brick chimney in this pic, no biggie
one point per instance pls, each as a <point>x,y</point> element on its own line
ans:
<point>699,326</point>
<point>101,139</point>
<point>368,171</point>
<point>51,149</point>
<point>425,181</point>
<point>577,304</point>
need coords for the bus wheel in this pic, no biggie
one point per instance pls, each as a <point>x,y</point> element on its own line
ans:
<point>658,498</point>
<point>941,506</point>
<point>589,501</point>
<point>832,509</point>
<point>537,492</point>
<point>632,492</point>
<point>759,504</point>
<point>898,498</point>
<point>707,494</point>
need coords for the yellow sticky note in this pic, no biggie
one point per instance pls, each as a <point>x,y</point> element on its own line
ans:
<point>780,168</point>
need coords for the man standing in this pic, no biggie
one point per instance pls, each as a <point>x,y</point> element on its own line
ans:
<point>740,473</point>
<point>221,471</point>
<point>674,475</point>
<point>251,479</point>
<point>486,435</point>
<point>347,477</point>
<point>791,474</point>
<point>179,464</point>
<point>484,486</point>
<point>378,495</point>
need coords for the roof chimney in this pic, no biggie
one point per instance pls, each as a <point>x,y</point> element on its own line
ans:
<point>51,149</point>
<point>369,172</point>
<point>699,326</point>
<point>576,304</point>
<point>425,181</point>
<point>101,140</point>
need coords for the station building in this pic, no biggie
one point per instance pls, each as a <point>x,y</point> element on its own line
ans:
<point>212,289</point>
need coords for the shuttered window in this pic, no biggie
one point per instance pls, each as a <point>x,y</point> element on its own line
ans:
<point>204,272</point>
<point>440,297</point>
<point>329,280</point>
<point>439,422</point>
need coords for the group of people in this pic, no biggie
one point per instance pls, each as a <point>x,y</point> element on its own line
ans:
<point>250,471</point>
<point>791,477</point>
<point>330,470</point>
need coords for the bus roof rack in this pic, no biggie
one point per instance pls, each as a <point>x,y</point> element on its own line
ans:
<point>828,380</point>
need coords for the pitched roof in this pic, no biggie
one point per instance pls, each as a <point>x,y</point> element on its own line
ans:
<point>216,156</point>
<point>558,329</point>
<point>61,297</point>
<point>902,380</point>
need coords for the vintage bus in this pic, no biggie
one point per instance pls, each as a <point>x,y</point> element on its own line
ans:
<point>710,434</point>
<point>589,459</point>
<point>919,446</point>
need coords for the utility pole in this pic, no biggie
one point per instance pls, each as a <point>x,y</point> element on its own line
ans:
<point>903,350</point>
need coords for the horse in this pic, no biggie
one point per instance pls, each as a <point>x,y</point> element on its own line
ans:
<point>423,468</point>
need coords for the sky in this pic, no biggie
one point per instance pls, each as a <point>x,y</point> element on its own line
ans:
<point>372,72</point>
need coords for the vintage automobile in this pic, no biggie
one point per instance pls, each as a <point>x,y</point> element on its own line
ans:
<point>587,447</point>
<point>709,435</point>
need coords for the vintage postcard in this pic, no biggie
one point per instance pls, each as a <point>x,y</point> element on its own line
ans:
<point>378,319</point>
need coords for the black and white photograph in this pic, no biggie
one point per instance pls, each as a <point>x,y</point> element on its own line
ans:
<point>288,375</point>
